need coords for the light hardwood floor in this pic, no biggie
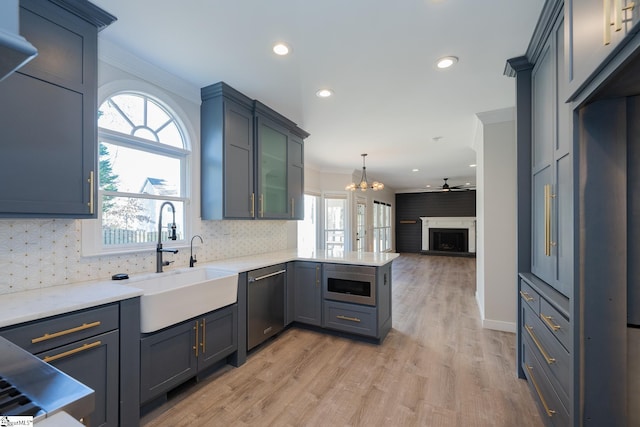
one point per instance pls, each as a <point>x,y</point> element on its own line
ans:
<point>437,367</point>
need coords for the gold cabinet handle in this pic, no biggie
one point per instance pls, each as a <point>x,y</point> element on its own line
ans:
<point>82,327</point>
<point>204,336</point>
<point>91,194</point>
<point>83,347</point>
<point>293,209</point>
<point>526,296</point>
<point>195,347</point>
<point>351,319</point>
<point>253,206</point>
<point>550,412</point>
<point>261,205</point>
<point>549,321</point>
<point>549,360</point>
<point>606,24</point>
<point>547,220</point>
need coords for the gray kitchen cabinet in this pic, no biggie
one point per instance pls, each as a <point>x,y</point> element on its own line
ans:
<point>552,168</point>
<point>49,107</point>
<point>597,29</point>
<point>88,346</point>
<point>93,362</point>
<point>252,161</point>
<point>577,312</point>
<point>307,291</point>
<point>279,165</point>
<point>366,320</point>
<point>227,154</point>
<point>175,354</point>
<point>295,173</point>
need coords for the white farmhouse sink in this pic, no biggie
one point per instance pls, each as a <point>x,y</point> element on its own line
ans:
<point>178,295</point>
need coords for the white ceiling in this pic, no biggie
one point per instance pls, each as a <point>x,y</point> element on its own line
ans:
<point>378,56</point>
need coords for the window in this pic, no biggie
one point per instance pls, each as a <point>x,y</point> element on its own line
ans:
<point>309,227</point>
<point>142,164</point>
<point>335,214</point>
<point>381,227</point>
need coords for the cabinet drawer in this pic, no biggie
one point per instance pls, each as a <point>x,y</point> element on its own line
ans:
<point>43,335</point>
<point>350,318</point>
<point>94,362</point>
<point>554,359</point>
<point>530,296</point>
<point>552,410</point>
<point>556,323</point>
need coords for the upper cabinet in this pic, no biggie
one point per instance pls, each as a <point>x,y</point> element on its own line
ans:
<point>252,159</point>
<point>595,30</point>
<point>552,168</point>
<point>48,114</point>
<point>226,153</point>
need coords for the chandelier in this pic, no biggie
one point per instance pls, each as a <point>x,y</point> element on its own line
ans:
<point>364,184</point>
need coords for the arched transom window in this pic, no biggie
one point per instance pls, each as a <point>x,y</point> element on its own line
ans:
<point>142,163</point>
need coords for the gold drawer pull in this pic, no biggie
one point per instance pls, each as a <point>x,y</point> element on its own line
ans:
<point>549,321</point>
<point>70,352</point>
<point>352,319</point>
<point>549,360</point>
<point>550,412</point>
<point>195,347</point>
<point>204,336</point>
<point>526,296</point>
<point>65,332</point>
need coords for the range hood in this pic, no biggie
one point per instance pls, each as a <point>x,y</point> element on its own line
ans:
<point>15,50</point>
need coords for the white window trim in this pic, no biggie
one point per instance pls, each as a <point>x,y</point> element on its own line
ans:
<point>91,229</point>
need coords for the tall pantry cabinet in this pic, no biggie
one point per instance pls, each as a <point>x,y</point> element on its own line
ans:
<point>577,228</point>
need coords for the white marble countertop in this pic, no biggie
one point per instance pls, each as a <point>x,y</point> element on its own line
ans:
<point>37,304</point>
<point>252,262</point>
<point>59,419</point>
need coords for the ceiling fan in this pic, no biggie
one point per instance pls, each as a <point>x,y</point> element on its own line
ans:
<point>446,187</point>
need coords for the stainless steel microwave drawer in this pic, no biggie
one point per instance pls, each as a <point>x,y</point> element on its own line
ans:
<point>553,412</point>
<point>351,318</point>
<point>52,332</point>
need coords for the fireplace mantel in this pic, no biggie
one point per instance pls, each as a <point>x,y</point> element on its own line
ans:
<point>462,222</point>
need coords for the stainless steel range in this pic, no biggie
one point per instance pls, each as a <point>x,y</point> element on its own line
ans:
<point>31,387</point>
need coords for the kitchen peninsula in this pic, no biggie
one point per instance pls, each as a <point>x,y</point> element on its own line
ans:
<point>343,293</point>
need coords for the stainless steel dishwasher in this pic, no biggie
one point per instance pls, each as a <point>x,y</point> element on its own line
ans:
<point>265,303</point>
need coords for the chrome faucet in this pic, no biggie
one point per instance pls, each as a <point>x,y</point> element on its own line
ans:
<point>192,258</point>
<point>172,236</point>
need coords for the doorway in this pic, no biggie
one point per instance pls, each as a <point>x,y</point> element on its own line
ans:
<point>361,224</point>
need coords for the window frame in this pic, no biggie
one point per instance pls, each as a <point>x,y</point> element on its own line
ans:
<point>381,226</point>
<point>91,230</point>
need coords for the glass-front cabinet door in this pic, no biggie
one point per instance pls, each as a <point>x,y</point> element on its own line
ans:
<point>272,198</point>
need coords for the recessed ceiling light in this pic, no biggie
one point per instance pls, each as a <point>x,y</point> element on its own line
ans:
<point>415,170</point>
<point>281,49</point>
<point>467,183</point>
<point>324,93</point>
<point>472,165</point>
<point>428,186</point>
<point>446,61</point>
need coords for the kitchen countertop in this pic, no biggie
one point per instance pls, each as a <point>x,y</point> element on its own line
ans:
<point>252,262</point>
<point>37,304</point>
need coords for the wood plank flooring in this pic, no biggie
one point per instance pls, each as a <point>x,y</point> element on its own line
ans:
<point>437,367</point>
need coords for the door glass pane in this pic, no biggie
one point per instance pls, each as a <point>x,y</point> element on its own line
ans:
<point>361,227</point>
<point>273,170</point>
<point>335,213</point>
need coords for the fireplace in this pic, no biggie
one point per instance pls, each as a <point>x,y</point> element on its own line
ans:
<point>459,232</point>
<point>449,239</point>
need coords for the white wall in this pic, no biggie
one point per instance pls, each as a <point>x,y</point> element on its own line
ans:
<point>496,215</point>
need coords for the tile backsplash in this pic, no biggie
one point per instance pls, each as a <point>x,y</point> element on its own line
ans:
<point>42,253</point>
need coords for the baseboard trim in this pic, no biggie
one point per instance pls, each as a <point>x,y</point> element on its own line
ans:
<point>499,325</point>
